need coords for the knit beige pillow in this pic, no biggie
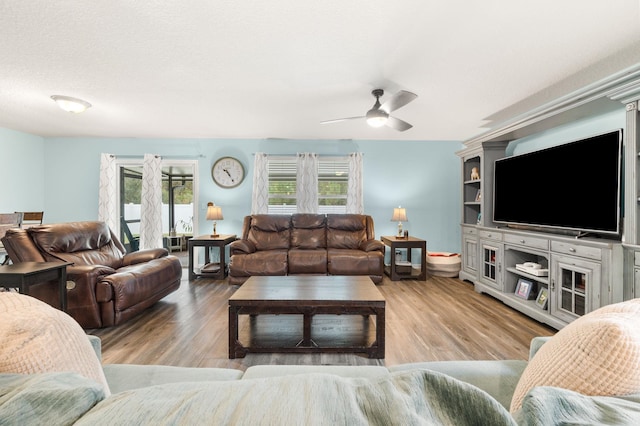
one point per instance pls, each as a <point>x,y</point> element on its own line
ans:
<point>37,338</point>
<point>597,354</point>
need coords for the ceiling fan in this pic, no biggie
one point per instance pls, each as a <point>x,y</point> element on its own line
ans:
<point>378,115</point>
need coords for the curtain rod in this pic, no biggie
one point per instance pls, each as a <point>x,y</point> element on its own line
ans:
<point>169,157</point>
<point>293,155</point>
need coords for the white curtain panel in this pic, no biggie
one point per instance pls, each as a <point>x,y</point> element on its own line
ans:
<point>260,195</point>
<point>151,204</point>
<point>307,182</point>
<point>355,197</point>
<point>107,192</point>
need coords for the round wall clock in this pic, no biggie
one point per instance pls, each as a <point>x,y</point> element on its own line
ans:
<point>227,172</point>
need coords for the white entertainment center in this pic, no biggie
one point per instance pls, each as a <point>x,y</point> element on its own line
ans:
<point>565,276</point>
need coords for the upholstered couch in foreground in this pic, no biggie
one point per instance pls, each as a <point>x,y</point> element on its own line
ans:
<point>107,285</point>
<point>586,374</point>
<point>333,244</point>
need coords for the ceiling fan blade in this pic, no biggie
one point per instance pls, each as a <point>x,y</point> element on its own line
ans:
<point>399,125</point>
<point>398,100</point>
<point>341,119</point>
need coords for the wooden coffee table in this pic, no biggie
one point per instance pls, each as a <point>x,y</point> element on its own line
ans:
<point>307,296</point>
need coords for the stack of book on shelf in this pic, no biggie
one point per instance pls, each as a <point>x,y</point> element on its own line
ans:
<point>533,269</point>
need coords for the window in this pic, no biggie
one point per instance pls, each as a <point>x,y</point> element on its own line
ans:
<point>333,175</point>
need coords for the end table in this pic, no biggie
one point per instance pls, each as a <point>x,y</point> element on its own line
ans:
<point>216,270</point>
<point>22,275</point>
<point>408,244</point>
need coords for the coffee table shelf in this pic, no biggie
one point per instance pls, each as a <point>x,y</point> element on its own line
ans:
<point>307,296</point>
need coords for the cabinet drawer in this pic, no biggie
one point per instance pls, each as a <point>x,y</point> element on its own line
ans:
<point>636,258</point>
<point>490,235</point>
<point>527,241</point>
<point>466,230</point>
<point>576,250</point>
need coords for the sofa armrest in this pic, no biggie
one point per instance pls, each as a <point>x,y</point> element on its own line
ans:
<point>241,247</point>
<point>87,273</point>
<point>536,344</point>
<point>85,278</point>
<point>372,245</point>
<point>96,344</point>
<point>143,256</point>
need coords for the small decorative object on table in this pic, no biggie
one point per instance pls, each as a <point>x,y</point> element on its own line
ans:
<point>523,289</point>
<point>543,298</point>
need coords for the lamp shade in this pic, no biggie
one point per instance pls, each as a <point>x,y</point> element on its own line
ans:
<point>214,212</point>
<point>399,215</point>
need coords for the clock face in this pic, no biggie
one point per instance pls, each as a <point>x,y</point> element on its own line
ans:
<point>227,172</point>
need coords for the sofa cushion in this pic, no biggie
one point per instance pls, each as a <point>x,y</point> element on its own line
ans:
<point>124,377</point>
<point>554,406</point>
<point>346,231</point>
<point>497,378</point>
<point>307,261</point>
<point>270,232</point>
<point>354,262</point>
<point>367,371</point>
<point>407,398</point>
<point>81,243</point>
<point>308,231</point>
<point>269,262</point>
<point>47,398</point>
<point>37,338</point>
<point>597,354</point>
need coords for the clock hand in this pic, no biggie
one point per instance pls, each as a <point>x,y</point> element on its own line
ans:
<point>229,174</point>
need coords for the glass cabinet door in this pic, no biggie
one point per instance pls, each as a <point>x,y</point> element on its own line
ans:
<point>491,265</point>
<point>573,291</point>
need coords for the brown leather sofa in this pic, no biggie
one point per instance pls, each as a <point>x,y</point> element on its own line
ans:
<point>109,286</point>
<point>333,244</point>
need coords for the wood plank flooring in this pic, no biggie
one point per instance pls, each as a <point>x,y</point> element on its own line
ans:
<point>437,319</point>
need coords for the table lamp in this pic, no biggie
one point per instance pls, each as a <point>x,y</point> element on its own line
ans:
<point>214,213</point>
<point>399,215</point>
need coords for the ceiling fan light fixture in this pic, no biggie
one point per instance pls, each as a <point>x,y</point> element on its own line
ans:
<point>377,118</point>
<point>70,104</point>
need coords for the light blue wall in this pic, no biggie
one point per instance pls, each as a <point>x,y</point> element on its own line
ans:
<point>60,175</point>
<point>422,176</point>
<point>570,132</point>
<point>22,172</point>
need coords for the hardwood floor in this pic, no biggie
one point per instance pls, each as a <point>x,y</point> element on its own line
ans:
<point>437,319</point>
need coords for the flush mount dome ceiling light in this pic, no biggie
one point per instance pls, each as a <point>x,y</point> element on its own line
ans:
<point>70,104</point>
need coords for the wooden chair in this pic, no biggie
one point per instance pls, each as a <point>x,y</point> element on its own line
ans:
<point>30,219</point>
<point>7,221</point>
<point>130,242</point>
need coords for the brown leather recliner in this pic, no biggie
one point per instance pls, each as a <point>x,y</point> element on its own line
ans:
<point>334,244</point>
<point>111,286</point>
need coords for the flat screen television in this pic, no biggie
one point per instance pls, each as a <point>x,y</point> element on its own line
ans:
<point>571,187</point>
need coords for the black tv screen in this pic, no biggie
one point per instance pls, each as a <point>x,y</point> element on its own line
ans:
<point>574,186</point>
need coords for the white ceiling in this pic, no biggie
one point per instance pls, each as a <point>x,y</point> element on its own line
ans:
<point>275,69</point>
